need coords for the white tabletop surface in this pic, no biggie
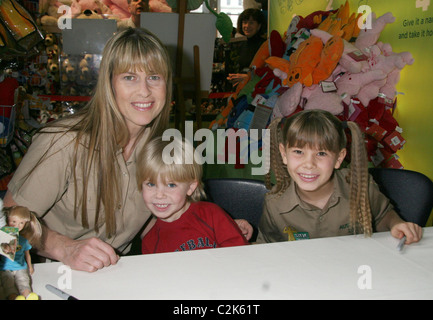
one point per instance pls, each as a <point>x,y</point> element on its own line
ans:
<point>350,267</point>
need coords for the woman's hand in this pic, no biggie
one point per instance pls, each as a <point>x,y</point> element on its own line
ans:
<point>87,255</point>
<point>236,78</point>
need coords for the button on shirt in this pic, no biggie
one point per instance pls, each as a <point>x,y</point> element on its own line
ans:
<point>288,217</point>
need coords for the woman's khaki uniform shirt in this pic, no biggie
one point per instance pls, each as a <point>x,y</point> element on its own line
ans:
<point>49,191</point>
<point>287,217</point>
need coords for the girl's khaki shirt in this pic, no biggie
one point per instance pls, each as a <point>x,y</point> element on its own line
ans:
<point>287,217</point>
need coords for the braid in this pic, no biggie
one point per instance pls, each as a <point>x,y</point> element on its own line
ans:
<point>277,166</point>
<point>360,211</point>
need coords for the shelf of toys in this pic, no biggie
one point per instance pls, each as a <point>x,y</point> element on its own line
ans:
<point>38,81</point>
<point>325,61</point>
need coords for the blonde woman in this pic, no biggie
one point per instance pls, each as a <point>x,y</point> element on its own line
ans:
<point>79,173</point>
<point>312,196</point>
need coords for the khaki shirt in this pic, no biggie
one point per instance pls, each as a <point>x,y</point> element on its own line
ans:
<point>49,191</point>
<point>287,217</point>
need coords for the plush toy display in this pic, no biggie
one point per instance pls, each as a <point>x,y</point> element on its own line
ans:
<point>329,63</point>
<point>119,8</point>
<point>82,9</point>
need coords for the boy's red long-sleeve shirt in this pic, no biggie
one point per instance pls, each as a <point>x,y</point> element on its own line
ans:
<point>204,225</point>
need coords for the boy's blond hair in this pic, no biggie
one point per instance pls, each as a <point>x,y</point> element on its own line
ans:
<point>173,160</point>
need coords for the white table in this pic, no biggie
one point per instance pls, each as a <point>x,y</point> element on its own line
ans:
<point>350,267</point>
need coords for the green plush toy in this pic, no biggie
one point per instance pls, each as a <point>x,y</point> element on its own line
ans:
<point>191,4</point>
<point>223,23</point>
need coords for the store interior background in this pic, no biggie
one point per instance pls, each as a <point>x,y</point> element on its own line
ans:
<point>414,110</point>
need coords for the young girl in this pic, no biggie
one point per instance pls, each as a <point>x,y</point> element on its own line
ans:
<point>170,180</point>
<point>312,197</point>
<point>15,275</point>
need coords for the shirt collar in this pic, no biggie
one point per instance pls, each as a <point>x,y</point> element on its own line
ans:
<point>289,199</point>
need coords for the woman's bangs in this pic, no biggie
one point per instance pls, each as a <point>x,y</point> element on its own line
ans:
<point>134,58</point>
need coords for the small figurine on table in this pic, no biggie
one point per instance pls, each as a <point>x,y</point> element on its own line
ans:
<point>15,273</point>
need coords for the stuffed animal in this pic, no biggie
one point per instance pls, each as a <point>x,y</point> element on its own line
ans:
<point>120,8</point>
<point>369,36</point>
<point>347,62</point>
<point>316,98</point>
<point>303,61</point>
<point>280,67</point>
<point>267,83</point>
<point>350,84</point>
<point>342,23</point>
<point>329,58</point>
<point>261,55</point>
<point>79,7</point>
<point>287,102</point>
<point>48,10</point>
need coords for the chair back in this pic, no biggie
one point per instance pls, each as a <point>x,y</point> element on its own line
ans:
<point>240,198</point>
<point>410,192</point>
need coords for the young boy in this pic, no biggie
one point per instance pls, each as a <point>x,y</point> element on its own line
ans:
<point>172,189</point>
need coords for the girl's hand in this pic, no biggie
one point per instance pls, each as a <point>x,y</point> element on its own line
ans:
<point>246,228</point>
<point>412,231</point>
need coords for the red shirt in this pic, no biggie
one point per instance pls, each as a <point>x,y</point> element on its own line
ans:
<point>204,225</point>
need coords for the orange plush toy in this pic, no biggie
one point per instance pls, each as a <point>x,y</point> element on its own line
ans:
<point>281,67</point>
<point>329,58</point>
<point>304,60</point>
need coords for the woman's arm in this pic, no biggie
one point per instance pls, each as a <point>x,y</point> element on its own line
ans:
<point>86,255</point>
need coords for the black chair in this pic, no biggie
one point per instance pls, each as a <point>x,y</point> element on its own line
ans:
<point>410,192</point>
<point>240,198</point>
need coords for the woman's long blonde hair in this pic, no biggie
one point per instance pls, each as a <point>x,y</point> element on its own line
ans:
<point>320,129</point>
<point>101,128</point>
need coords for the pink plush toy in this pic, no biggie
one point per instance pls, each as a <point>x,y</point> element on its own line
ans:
<point>317,99</point>
<point>351,83</point>
<point>386,61</point>
<point>389,89</point>
<point>370,91</point>
<point>369,36</point>
<point>121,10</point>
<point>287,102</point>
<point>96,6</point>
<point>118,7</point>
